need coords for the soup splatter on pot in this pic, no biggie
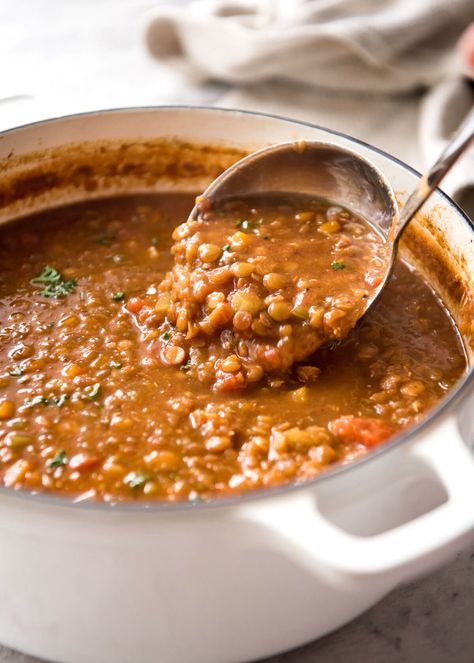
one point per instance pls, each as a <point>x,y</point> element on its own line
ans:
<point>89,409</point>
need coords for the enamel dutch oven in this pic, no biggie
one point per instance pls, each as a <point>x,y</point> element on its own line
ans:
<point>245,577</point>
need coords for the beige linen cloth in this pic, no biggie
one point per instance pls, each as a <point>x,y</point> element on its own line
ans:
<point>384,71</point>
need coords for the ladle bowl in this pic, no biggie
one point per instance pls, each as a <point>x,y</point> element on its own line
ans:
<point>341,176</point>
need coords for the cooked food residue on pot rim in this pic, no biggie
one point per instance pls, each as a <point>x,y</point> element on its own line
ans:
<point>143,361</point>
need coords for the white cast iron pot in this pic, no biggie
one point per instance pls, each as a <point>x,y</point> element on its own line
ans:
<point>246,577</point>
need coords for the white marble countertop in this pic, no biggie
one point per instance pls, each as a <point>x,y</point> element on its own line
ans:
<point>60,57</point>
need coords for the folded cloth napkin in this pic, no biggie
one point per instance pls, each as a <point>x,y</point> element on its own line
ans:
<point>359,66</point>
<point>365,45</point>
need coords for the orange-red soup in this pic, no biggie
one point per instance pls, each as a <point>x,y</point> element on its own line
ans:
<point>88,408</point>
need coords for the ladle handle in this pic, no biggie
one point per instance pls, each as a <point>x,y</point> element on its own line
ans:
<point>433,177</point>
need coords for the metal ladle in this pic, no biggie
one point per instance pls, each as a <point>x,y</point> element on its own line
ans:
<point>341,176</point>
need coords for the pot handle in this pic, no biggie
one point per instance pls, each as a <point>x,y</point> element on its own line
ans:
<point>402,550</point>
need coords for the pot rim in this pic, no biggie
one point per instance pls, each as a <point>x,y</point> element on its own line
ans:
<point>460,390</point>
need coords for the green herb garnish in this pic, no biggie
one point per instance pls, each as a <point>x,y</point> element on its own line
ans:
<point>116,364</point>
<point>37,400</point>
<point>186,366</point>
<point>59,290</point>
<point>59,402</point>
<point>56,286</point>
<point>337,265</point>
<point>42,400</point>
<point>48,275</point>
<point>244,225</point>
<point>154,241</point>
<point>136,479</point>
<point>118,296</point>
<point>166,336</point>
<point>17,370</point>
<point>59,459</point>
<point>94,393</point>
<point>226,247</point>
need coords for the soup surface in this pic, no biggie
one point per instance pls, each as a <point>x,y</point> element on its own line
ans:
<point>89,409</point>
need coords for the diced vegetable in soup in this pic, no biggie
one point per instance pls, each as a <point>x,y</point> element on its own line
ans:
<point>98,400</point>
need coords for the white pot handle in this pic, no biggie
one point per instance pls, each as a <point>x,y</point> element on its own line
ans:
<point>406,548</point>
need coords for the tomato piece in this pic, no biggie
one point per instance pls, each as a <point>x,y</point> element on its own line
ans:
<point>373,278</point>
<point>368,431</point>
<point>229,381</point>
<point>83,461</point>
<point>135,304</point>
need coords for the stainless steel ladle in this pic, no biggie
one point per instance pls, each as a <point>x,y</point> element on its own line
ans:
<point>342,176</point>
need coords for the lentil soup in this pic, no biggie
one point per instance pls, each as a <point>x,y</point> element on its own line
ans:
<point>261,283</point>
<point>89,409</point>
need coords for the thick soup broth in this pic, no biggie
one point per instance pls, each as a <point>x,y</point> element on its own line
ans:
<point>89,409</point>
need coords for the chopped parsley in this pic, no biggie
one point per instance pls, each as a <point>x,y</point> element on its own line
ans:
<point>93,393</point>
<point>42,400</point>
<point>154,241</point>
<point>59,290</point>
<point>136,479</point>
<point>226,247</point>
<point>37,400</point>
<point>166,336</point>
<point>116,364</point>
<point>337,265</point>
<point>59,402</point>
<point>17,370</point>
<point>244,225</point>
<point>56,286</point>
<point>186,366</point>
<point>118,296</point>
<point>48,275</point>
<point>59,459</point>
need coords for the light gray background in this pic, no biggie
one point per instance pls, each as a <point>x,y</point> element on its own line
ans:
<point>73,55</point>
